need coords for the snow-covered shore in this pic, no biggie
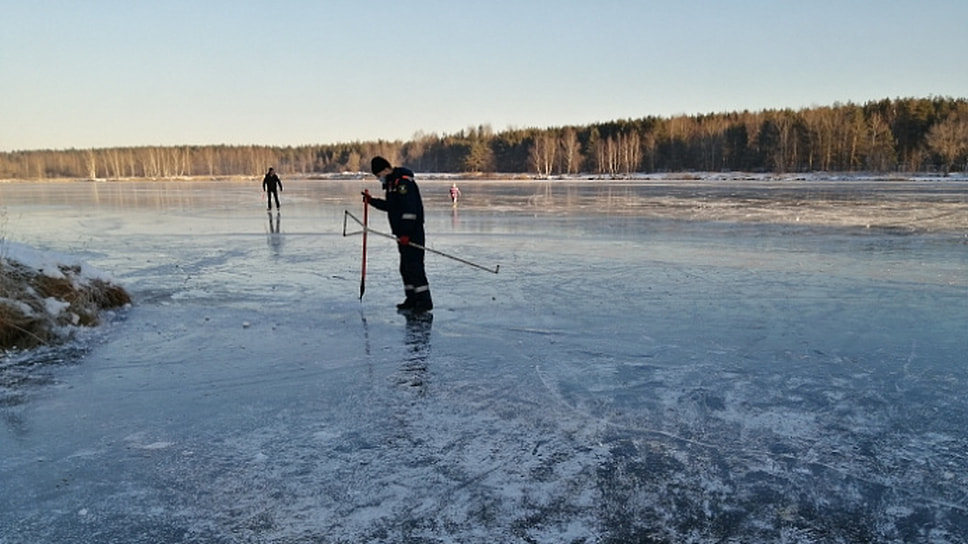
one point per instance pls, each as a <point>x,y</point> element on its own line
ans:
<point>45,295</point>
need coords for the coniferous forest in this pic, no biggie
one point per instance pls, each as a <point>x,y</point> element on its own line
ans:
<point>890,135</point>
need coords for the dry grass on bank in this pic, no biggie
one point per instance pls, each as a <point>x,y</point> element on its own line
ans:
<point>38,309</point>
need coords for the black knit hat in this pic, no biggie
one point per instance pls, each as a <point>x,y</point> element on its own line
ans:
<point>379,164</point>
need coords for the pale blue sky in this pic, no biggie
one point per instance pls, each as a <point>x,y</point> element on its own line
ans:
<point>104,73</point>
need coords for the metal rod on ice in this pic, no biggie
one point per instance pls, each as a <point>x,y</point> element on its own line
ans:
<point>366,229</point>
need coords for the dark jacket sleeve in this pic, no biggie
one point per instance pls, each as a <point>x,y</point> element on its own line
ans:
<point>378,203</point>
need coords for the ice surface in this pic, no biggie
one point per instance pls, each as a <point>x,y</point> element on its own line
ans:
<point>702,361</point>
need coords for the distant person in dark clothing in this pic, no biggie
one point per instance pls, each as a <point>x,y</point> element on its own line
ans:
<point>269,185</point>
<point>404,209</point>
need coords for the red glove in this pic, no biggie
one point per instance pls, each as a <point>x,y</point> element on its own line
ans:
<point>403,240</point>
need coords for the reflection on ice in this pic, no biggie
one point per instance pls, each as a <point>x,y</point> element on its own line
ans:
<point>274,236</point>
<point>655,362</point>
<point>414,370</point>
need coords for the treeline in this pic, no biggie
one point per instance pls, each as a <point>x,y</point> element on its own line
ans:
<point>904,134</point>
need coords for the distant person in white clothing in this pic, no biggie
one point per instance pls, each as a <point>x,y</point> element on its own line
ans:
<point>454,194</point>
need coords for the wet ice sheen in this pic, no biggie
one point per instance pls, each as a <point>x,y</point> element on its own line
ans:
<point>631,374</point>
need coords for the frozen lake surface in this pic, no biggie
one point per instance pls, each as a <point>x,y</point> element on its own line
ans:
<point>695,361</point>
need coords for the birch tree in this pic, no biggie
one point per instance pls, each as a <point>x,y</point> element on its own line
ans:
<point>91,163</point>
<point>629,149</point>
<point>570,151</point>
<point>949,139</point>
<point>543,151</point>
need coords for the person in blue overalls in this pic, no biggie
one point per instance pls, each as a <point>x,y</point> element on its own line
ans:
<point>404,209</point>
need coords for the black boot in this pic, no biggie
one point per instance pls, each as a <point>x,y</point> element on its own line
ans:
<point>423,302</point>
